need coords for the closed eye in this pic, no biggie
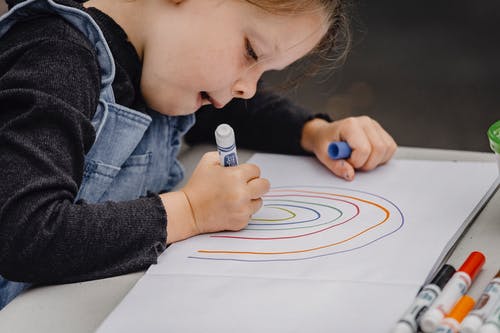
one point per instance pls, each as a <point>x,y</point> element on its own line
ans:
<point>250,51</point>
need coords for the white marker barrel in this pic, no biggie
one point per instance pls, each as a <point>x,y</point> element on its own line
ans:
<point>409,322</point>
<point>226,145</point>
<point>454,289</point>
<point>492,323</point>
<point>484,307</point>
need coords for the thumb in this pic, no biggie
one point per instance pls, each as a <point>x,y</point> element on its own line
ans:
<point>211,157</point>
<point>341,168</point>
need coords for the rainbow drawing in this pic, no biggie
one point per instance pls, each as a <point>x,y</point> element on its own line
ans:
<point>307,222</point>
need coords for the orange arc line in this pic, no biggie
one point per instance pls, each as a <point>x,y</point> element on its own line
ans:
<point>387,215</point>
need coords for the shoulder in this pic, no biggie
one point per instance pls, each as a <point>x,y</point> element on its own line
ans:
<point>47,54</point>
<point>46,27</point>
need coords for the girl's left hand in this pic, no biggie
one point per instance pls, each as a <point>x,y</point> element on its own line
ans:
<point>371,145</point>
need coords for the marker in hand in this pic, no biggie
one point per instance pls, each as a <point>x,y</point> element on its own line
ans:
<point>339,150</point>
<point>226,145</point>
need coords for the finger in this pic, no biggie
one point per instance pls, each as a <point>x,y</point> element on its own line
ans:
<point>248,171</point>
<point>361,147</point>
<point>378,146</point>
<point>341,168</point>
<point>383,147</point>
<point>211,157</point>
<point>391,144</point>
<point>255,205</point>
<point>257,187</point>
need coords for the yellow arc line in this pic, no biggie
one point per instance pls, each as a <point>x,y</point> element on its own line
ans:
<point>292,215</point>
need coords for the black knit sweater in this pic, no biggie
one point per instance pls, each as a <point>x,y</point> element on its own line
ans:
<point>49,89</point>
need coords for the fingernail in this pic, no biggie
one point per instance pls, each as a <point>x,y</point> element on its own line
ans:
<point>348,175</point>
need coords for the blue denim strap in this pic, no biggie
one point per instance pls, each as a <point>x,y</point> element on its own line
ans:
<point>9,290</point>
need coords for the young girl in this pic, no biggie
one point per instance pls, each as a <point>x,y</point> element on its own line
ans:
<point>94,100</point>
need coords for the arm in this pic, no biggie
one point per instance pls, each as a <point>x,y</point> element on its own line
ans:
<point>47,96</point>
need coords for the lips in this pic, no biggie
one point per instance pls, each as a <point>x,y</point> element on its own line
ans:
<point>205,96</point>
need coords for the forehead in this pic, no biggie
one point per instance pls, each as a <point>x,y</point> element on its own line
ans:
<point>284,38</point>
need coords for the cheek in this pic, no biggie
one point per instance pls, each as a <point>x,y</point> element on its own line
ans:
<point>215,70</point>
<point>173,78</point>
<point>197,71</point>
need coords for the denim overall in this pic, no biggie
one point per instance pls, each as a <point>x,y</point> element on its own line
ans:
<point>133,153</point>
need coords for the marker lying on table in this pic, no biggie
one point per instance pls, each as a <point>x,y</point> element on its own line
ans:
<point>451,323</point>
<point>492,323</point>
<point>484,306</point>
<point>338,150</point>
<point>424,299</point>
<point>454,289</point>
<point>226,145</point>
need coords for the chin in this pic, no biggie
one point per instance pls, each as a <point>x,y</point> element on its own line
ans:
<point>174,110</point>
<point>177,112</point>
<point>162,104</point>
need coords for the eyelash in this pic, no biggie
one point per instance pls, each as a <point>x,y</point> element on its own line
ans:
<point>250,51</point>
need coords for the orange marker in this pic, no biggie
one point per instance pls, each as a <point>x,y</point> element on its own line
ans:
<point>451,323</point>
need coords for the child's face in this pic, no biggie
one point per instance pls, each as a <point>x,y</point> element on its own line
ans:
<point>211,51</point>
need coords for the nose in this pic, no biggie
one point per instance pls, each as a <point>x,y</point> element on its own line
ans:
<point>246,85</point>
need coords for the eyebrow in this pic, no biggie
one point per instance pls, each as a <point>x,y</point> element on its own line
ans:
<point>269,46</point>
<point>275,47</point>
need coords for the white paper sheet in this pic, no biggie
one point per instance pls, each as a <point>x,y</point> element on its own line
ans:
<point>319,254</point>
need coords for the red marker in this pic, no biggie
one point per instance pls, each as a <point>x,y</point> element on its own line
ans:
<point>452,292</point>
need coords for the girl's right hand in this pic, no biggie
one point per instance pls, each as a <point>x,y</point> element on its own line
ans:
<point>224,198</point>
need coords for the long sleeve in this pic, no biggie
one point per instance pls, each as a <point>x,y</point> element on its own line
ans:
<point>48,93</point>
<point>266,122</point>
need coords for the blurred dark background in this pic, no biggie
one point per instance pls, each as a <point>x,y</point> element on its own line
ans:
<point>428,71</point>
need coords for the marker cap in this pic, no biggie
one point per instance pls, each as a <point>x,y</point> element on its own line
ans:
<point>338,150</point>
<point>402,328</point>
<point>443,276</point>
<point>489,328</point>
<point>462,308</point>
<point>224,136</point>
<point>471,324</point>
<point>473,264</point>
<point>431,320</point>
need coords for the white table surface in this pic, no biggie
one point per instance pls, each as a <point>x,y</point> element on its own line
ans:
<point>81,307</point>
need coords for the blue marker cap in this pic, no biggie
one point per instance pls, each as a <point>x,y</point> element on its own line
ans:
<point>338,150</point>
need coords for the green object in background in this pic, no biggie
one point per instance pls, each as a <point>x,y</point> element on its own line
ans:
<point>494,136</point>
